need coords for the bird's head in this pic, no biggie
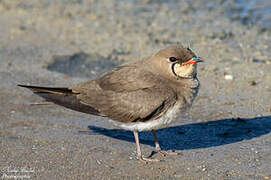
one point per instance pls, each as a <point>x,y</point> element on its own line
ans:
<point>176,61</point>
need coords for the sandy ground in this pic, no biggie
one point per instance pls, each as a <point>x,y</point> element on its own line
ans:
<point>226,135</point>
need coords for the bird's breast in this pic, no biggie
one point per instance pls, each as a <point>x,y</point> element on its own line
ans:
<point>189,91</point>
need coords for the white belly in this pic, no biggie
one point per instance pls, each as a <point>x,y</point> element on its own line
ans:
<point>162,122</point>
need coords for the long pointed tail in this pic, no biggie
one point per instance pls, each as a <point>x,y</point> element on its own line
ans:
<point>62,96</point>
<point>53,90</point>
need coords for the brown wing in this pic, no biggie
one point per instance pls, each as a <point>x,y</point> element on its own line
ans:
<point>139,105</point>
<point>137,97</point>
<point>128,78</point>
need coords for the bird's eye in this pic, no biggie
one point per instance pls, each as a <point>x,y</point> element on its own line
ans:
<point>172,59</point>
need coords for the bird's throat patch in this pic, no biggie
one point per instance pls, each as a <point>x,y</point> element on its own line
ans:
<point>186,71</point>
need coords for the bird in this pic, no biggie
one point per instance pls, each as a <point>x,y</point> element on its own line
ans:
<point>144,95</point>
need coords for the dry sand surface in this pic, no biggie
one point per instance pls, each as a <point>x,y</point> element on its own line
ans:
<point>226,135</point>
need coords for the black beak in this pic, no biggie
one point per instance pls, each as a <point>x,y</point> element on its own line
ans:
<point>197,59</point>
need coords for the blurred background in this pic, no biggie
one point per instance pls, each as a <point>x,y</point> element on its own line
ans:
<point>61,42</point>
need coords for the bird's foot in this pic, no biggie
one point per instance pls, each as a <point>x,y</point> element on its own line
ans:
<point>146,159</point>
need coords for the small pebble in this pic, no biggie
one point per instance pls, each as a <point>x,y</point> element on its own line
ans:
<point>228,77</point>
<point>252,83</point>
<point>255,60</point>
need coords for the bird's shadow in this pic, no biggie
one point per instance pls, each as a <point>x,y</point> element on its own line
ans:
<point>195,135</point>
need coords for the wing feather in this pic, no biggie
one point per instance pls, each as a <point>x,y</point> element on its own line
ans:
<point>127,98</point>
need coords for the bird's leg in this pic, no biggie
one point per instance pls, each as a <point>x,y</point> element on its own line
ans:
<point>158,148</point>
<point>139,154</point>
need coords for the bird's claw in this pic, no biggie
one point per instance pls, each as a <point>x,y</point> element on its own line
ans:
<point>146,160</point>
